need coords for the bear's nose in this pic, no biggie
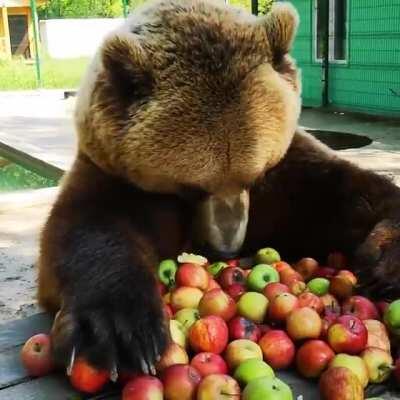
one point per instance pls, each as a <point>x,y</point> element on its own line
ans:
<point>214,254</point>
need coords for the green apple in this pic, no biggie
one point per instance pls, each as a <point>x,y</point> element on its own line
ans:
<point>268,255</point>
<point>253,306</point>
<point>260,276</point>
<point>178,333</point>
<point>267,389</point>
<point>319,286</point>
<point>392,317</point>
<point>379,364</point>
<point>187,317</point>
<point>215,268</point>
<point>252,369</point>
<point>166,272</point>
<point>354,363</point>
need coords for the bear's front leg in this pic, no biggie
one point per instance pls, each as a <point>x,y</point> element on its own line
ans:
<point>313,203</point>
<point>99,249</point>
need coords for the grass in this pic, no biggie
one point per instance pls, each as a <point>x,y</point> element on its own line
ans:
<point>15,177</point>
<point>56,74</point>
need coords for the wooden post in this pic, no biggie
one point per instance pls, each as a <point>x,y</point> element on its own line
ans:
<point>36,39</point>
<point>6,32</point>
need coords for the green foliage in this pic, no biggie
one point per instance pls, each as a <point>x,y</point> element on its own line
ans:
<point>112,8</point>
<point>263,5</point>
<point>14,177</point>
<point>80,9</point>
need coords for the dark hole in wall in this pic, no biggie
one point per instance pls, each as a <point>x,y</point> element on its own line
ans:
<point>341,140</point>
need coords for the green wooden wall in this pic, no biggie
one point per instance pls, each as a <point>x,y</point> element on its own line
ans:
<point>370,79</point>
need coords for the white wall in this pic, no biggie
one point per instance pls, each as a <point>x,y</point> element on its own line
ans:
<point>71,38</point>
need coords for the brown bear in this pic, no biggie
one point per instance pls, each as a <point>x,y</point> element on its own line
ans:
<point>187,125</point>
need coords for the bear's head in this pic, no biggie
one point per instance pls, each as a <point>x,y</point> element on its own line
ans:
<point>194,95</point>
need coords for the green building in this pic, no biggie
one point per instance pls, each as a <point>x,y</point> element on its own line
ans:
<point>362,61</point>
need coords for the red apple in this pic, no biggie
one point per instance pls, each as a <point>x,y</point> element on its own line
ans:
<point>339,383</point>
<point>233,263</point>
<point>396,371</point>
<point>306,267</point>
<point>242,328</point>
<point>36,355</point>
<point>209,334</point>
<point>349,275</point>
<point>231,275</point>
<point>360,307</point>
<point>273,289</point>
<point>174,354</point>
<point>236,290</point>
<point>297,287</point>
<point>325,272</point>
<point>208,364</point>
<point>264,328</point>
<point>217,302</point>
<point>281,265</point>
<point>162,289</point>
<point>143,388</point>
<point>341,287</point>
<point>348,335</point>
<point>304,323</point>
<point>212,284</point>
<point>382,306</point>
<point>289,275</point>
<point>168,311</point>
<point>86,378</point>
<point>180,382</point>
<point>308,299</point>
<point>327,321</point>
<point>185,297</point>
<point>337,260</point>
<point>331,305</point>
<point>313,357</point>
<point>281,306</point>
<point>192,275</point>
<point>218,387</point>
<point>278,349</point>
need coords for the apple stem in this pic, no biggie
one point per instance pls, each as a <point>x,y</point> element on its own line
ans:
<point>352,323</point>
<point>37,347</point>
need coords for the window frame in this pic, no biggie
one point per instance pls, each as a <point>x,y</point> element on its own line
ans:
<point>332,59</point>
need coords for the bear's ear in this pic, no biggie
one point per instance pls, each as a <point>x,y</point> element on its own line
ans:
<point>126,64</point>
<point>281,25</point>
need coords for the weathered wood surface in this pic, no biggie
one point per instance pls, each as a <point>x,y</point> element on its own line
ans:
<point>16,385</point>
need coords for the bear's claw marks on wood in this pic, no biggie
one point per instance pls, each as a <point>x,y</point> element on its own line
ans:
<point>71,361</point>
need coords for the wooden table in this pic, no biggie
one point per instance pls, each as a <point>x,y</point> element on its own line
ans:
<point>16,385</point>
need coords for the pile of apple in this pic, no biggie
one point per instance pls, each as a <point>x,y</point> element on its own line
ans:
<point>232,325</point>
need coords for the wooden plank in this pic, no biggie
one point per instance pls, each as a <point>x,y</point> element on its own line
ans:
<point>40,167</point>
<point>53,387</point>
<point>11,370</point>
<point>15,333</point>
<point>300,387</point>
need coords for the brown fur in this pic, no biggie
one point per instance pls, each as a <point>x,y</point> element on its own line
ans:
<point>193,104</point>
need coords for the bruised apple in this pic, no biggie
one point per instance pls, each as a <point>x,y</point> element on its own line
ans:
<point>242,328</point>
<point>209,334</point>
<point>273,289</point>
